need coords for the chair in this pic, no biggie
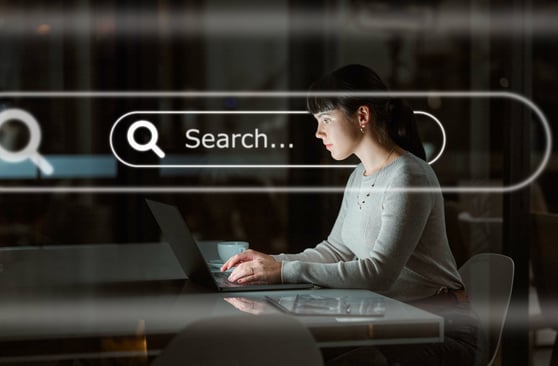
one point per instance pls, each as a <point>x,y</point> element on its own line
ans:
<point>242,340</point>
<point>488,279</point>
<point>544,260</point>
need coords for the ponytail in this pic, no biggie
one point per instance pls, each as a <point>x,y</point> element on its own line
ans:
<point>403,129</point>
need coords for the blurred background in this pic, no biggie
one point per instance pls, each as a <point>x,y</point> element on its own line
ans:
<point>218,45</point>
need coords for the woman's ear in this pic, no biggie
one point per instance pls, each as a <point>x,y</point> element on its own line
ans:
<point>363,116</point>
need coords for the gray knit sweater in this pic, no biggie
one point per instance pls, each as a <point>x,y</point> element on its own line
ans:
<point>394,243</point>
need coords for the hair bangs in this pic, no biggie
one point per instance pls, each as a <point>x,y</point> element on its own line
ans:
<point>316,104</point>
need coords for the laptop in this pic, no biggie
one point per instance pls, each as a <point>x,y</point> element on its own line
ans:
<point>190,257</point>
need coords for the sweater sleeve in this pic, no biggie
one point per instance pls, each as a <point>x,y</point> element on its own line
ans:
<point>403,218</point>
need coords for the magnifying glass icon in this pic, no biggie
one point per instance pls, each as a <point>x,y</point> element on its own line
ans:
<point>31,150</point>
<point>151,145</point>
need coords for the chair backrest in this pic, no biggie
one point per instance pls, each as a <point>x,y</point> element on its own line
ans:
<point>242,340</point>
<point>488,279</point>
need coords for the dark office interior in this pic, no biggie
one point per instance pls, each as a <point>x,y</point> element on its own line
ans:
<point>80,65</point>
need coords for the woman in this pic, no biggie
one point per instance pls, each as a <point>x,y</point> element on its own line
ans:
<point>386,238</point>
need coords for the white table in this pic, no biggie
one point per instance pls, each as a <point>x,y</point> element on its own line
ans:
<point>65,302</point>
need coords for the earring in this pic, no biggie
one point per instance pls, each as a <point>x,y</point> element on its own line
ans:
<point>362,129</point>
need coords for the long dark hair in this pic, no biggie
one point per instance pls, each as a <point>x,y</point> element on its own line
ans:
<point>394,118</point>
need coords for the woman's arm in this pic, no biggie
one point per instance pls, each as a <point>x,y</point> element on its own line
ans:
<point>403,218</point>
<point>331,250</point>
<point>254,266</point>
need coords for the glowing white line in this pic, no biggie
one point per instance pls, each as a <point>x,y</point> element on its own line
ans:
<point>269,22</point>
<point>74,356</point>
<point>443,134</point>
<point>260,94</point>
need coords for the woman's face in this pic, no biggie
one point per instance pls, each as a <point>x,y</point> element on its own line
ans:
<point>339,133</point>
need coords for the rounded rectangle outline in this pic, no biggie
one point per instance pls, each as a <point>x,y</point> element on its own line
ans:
<point>263,94</point>
<point>242,166</point>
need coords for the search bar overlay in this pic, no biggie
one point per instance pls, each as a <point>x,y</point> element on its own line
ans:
<point>257,139</point>
<point>210,137</point>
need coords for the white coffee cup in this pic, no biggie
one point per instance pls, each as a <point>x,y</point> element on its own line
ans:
<point>227,249</point>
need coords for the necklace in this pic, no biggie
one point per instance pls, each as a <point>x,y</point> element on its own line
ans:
<point>361,203</point>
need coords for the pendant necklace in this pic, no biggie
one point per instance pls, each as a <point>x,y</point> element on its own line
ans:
<point>361,203</point>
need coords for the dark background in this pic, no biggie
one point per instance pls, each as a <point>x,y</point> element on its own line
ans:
<point>251,46</point>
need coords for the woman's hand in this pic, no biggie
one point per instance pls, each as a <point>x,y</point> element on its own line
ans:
<point>252,266</point>
<point>247,305</point>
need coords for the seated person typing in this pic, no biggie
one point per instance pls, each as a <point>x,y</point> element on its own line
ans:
<point>389,236</point>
